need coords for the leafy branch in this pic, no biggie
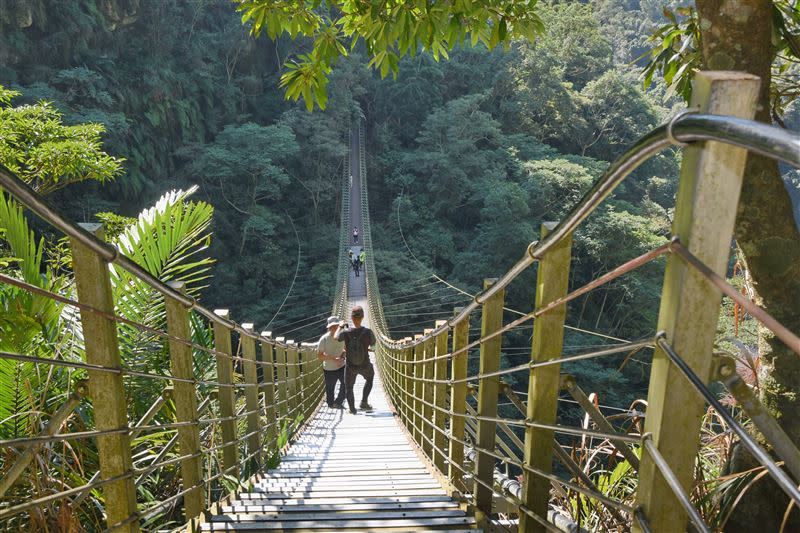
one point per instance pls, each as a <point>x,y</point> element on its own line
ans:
<point>389,29</point>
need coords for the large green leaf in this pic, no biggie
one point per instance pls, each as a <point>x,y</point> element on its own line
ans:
<point>166,240</point>
<point>23,314</point>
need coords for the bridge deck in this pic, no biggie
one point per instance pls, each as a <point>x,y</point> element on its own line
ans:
<point>347,473</point>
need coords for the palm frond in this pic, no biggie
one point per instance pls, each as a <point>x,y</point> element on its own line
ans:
<point>23,315</point>
<point>16,405</point>
<point>166,239</point>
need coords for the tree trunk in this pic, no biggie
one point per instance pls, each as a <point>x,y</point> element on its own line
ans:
<point>736,35</point>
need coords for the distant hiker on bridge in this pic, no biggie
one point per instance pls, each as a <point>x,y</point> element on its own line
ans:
<point>356,265</point>
<point>355,235</point>
<point>331,353</point>
<point>357,341</point>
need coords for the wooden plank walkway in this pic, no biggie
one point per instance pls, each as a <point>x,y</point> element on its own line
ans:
<point>347,473</point>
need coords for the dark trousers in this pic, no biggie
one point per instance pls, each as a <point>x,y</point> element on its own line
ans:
<point>331,377</point>
<point>350,379</point>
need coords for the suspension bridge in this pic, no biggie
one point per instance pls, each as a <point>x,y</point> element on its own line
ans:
<point>253,448</point>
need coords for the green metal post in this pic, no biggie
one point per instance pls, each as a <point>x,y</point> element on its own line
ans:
<point>552,280</point>
<point>184,396</point>
<point>458,402</point>
<point>106,389</point>
<point>248,343</point>
<point>268,386</point>
<point>705,211</point>
<point>227,401</point>
<point>491,321</point>
<point>440,400</point>
<point>427,395</point>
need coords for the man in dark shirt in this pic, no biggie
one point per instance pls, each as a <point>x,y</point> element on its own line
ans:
<point>357,341</point>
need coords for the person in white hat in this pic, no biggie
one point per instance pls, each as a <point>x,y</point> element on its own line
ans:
<point>331,353</point>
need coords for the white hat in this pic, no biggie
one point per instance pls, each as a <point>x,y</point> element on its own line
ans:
<point>332,320</point>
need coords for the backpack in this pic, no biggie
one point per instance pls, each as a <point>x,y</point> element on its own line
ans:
<point>356,348</point>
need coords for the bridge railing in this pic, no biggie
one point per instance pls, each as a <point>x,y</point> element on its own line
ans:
<point>343,270</point>
<point>427,376</point>
<point>216,414</point>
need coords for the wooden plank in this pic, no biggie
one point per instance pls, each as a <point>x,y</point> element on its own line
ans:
<point>363,484</point>
<point>344,486</point>
<point>345,473</point>
<point>368,457</point>
<point>427,396</point>
<point>416,355</point>
<point>345,500</point>
<point>415,524</point>
<point>376,474</point>
<point>283,391</point>
<point>268,386</point>
<point>320,508</point>
<point>335,493</point>
<point>354,482</point>
<point>301,467</point>
<point>237,527</point>
<point>362,515</point>
<point>349,462</point>
<point>248,349</point>
<point>185,400</point>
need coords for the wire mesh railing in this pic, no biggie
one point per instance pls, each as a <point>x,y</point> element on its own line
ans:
<point>467,440</point>
<point>165,427</point>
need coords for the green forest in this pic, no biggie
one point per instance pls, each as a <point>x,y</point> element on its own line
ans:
<point>542,124</point>
<point>174,110</point>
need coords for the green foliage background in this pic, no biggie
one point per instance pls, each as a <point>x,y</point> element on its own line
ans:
<point>466,157</point>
